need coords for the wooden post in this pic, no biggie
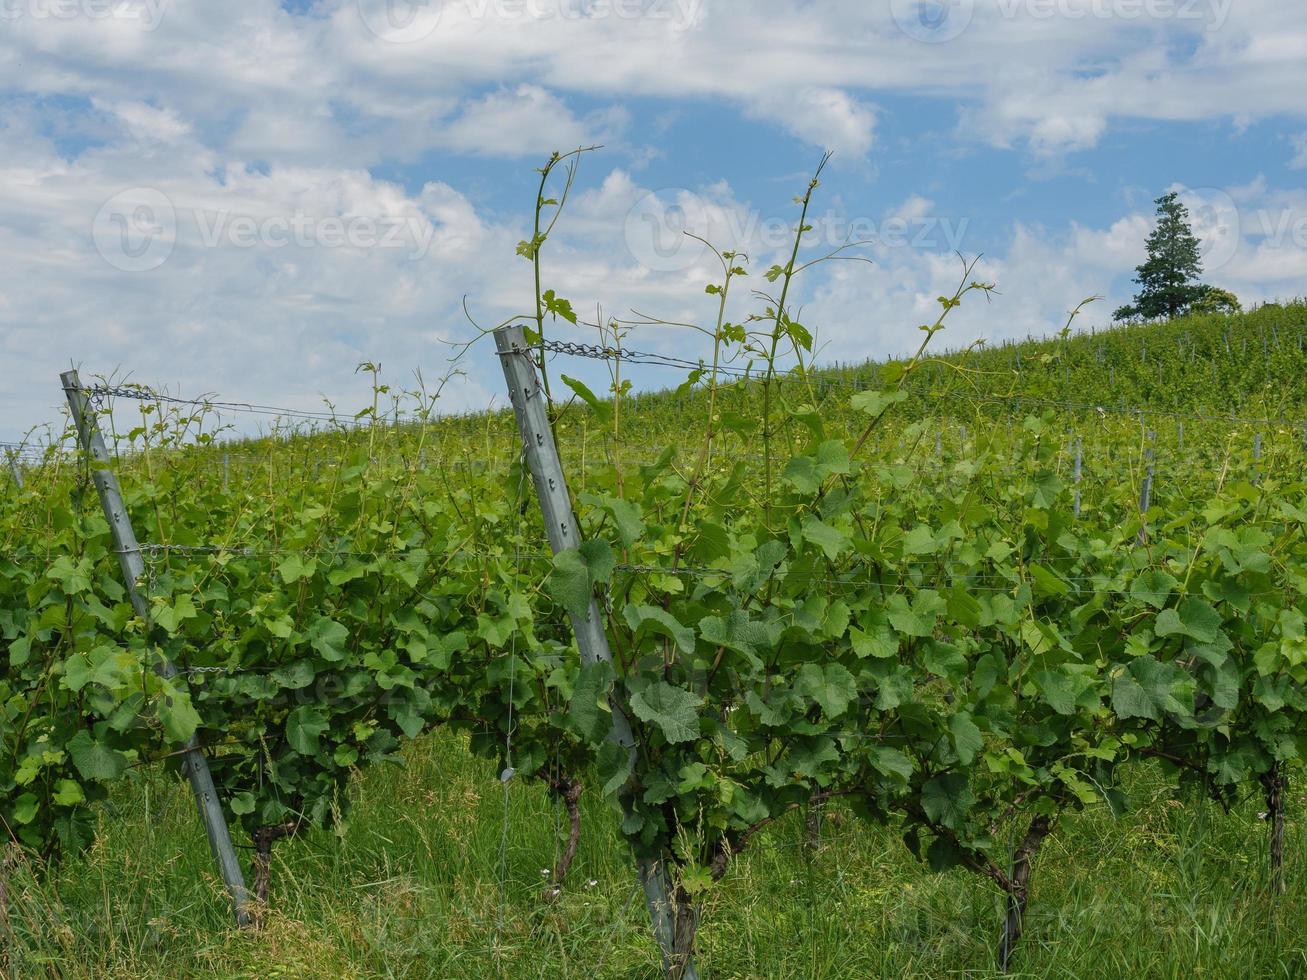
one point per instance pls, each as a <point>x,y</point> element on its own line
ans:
<point>561,528</point>
<point>132,564</point>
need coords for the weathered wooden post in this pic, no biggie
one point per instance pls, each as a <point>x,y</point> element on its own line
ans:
<point>561,528</point>
<point>132,564</point>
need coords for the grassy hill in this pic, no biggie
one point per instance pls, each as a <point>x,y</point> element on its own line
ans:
<point>437,871</point>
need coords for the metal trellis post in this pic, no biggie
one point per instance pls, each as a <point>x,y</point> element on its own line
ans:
<point>15,470</point>
<point>132,564</point>
<point>561,528</point>
<point>1079,472</point>
<point>1146,492</point>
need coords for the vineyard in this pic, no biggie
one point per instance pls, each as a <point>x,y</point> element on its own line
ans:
<point>986,659</point>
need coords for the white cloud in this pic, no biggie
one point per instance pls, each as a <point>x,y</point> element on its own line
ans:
<point>246,118</point>
<point>826,117</point>
<point>280,86</point>
<point>526,120</point>
<point>1299,142</point>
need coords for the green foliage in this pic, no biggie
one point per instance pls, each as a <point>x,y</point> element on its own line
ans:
<point>1168,280</point>
<point>947,638</point>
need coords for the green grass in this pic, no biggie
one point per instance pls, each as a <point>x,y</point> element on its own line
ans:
<point>429,880</point>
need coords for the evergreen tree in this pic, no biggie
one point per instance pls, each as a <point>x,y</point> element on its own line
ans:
<point>1168,281</point>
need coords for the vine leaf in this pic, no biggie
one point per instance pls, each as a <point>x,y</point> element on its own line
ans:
<point>95,760</point>
<point>661,621</point>
<point>589,710</point>
<point>673,709</point>
<point>1149,688</point>
<point>304,726</point>
<point>329,637</point>
<point>1194,618</point>
<point>576,573</point>
<point>947,798</point>
<point>832,687</point>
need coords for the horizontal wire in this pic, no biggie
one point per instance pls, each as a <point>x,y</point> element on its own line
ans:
<point>143,393</point>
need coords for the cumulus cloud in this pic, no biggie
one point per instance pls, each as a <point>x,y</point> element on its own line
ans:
<point>825,117</point>
<point>232,196</point>
<point>1299,144</point>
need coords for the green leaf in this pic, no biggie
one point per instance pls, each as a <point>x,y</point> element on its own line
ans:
<point>831,541</point>
<point>295,568</point>
<point>1060,690</point>
<point>178,715</point>
<point>295,676</point>
<point>673,709</point>
<point>832,687</point>
<point>892,762</point>
<point>304,726</point>
<point>589,709</point>
<point>874,403</point>
<point>19,651</point>
<point>603,411</point>
<point>1194,618</point>
<point>918,617</point>
<point>919,541</point>
<point>801,473</point>
<point>26,808</point>
<point>660,621</point>
<point>170,617</point>
<point>947,799</point>
<point>1150,688</point>
<point>736,632</point>
<point>68,793</point>
<point>1154,587</point>
<point>878,641</point>
<point>944,660</point>
<point>329,638</point>
<point>576,573</point>
<point>967,740</point>
<point>94,760</point>
<point>614,764</point>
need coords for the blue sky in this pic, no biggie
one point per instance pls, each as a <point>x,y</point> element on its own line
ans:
<point>251,198</point>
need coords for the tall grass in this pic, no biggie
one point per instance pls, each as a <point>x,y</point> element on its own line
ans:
<point>414,886</point>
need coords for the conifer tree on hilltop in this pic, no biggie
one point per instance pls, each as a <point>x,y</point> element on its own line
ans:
<point>1169,281</point>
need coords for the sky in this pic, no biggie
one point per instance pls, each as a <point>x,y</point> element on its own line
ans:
<point>249,199</point>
